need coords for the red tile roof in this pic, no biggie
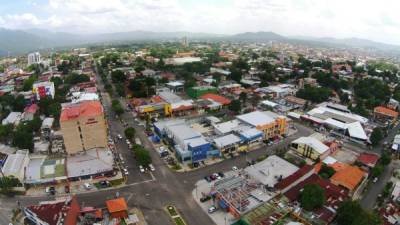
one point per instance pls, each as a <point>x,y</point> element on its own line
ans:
<point>284,183</point>
<point>216,98</point>
<point>386,111</point>
<point>31,109</point>
<point>368,159</point>
<point>51,213</point>
<point>116,205</point>
<point>334,195</point>
<point>347,176</point>
<point>86,108</point>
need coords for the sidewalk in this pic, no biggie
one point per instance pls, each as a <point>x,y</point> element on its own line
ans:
<point>75,187</point>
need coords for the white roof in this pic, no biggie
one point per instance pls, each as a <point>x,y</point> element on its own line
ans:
<point>174,83</point>
<point>294,115</point>
<point>183,132</point>
<point>81,96</point>
<point>47,122</point>
<point>322,109</point>
<point>329,160</point>
<point>195,142</point>
<point>356,131</point>
<point>312,142</point>
<point>226,140</point>
<point>92,162</point>
<point>170,97</point>
<point>271,169</point>
<point>252,132</point>
<point>256,118</point>
<point>335,123</point>
<point>14,163</point>
<point>226,127</point>
<point>269,103</point>
<point>12,118</point>
<point>176,105</point>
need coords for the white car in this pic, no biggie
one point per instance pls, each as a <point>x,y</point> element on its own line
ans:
<point>141,168</point>
<point>234,168</point>
<point>125,171</point>
<point>119,137</point>
<point>87,186</point>
<point>151,167</point>
<point>212,209</point>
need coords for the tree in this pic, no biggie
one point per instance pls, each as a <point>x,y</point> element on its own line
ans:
<point>314,94</point>
<point>326,171</point>
<point>117,76</point>
<point>376,136</point>
<point>130,133</point>
<point>119,88</point>
<point>351,213</point>
<point>142,155</point>
<point>312,197</point>
<point>386,158</point>
<point>235,106</point>
<point>75,78</point>
<point>117,107</point>
<point>5,132</point>
<point>236,75</point>
<point>23,139</point>
<point>50,107</point>
<point>28,83</point>
<point>19,103</point>
<point>7,183</point>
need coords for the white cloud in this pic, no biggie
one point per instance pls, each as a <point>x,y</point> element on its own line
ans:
<point>378,20</point>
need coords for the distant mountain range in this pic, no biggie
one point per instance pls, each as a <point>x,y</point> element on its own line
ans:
<point>23,41</point>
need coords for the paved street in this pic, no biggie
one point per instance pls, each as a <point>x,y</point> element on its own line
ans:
<point>369,199</point>
<point>152,193</point>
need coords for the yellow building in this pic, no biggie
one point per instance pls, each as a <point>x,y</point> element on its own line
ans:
<point>310,147</point>
<point>83,126</point>
<point>268,122</point>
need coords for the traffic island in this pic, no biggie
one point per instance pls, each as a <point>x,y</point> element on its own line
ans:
<point>175,216</point>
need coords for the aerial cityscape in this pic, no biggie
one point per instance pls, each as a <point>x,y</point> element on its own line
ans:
<point>178,112</point>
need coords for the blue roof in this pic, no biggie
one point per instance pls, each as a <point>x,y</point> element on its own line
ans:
<point>251,134</point>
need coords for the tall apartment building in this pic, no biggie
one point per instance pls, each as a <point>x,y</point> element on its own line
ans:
<point>33,58</point>
<point>83,126</point>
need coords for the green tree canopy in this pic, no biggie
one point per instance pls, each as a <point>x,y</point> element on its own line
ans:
<point>142,155</point>
<point>130,133</point>
<point>117,76</point>
<point>351,213</point>
<point>312,197</point>
<point>376,136</point>
<point>314,94</point>
<point>235,106</point>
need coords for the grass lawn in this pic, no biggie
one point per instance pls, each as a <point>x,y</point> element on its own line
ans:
<point>171,210</point>
<point>179,221</point>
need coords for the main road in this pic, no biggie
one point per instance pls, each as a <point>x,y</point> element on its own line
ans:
<point>151,193</point>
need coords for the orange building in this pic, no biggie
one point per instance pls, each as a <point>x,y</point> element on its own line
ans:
<point>384,113</point>
<point>347,176</point>
<point>272,124</point>
<point>83,126</point>
<point>117,208</point>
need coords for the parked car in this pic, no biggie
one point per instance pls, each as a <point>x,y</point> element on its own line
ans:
<point>51,190</point>
<point>141,168</point>
<point>87,186</point>
<point>208,178</point>
<point>375,180</point>
<point>205,198</point>
<point>125,171</point>
<point>212,209</point>
<point>234,168</point>
<point>119,137</point>
<point>221,174</point>
<point>151,167</point>
<point>104,183</point>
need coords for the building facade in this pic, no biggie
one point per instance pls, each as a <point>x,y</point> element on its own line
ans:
<point>83,127</point>
<point>34,58</point>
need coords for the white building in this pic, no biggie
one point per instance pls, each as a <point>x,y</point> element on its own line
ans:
<point>43,89</point>
<point>33,58</point>
<point>16,164</point>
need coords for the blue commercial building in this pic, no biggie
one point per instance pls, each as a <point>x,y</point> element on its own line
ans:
<point>251,135</point>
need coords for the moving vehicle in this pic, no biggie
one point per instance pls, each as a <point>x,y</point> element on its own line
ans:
<point>212,209</point>
<point>87,186</point>
<point>151,167</point>
<point>119,137</point>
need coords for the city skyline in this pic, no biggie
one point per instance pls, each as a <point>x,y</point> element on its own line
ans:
<point>376,21</point>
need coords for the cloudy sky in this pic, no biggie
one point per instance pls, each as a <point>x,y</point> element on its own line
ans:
<point>371,19</point>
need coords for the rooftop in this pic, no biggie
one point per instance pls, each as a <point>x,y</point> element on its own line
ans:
<point>85,108</point>
<point>90,162</point>
<point>271,170</point>
<point>116,205</point>
<point>256,118</point>
<point>347,176</point>
<point>312,142</point>
<point>226,140</point>
<point>218,98</point>
<point>386,111</point>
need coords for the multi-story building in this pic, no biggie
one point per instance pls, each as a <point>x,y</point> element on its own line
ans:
<point>272,124</point>
<point>83,126</point>
<point>43,89</point>
<point>33,58</point>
